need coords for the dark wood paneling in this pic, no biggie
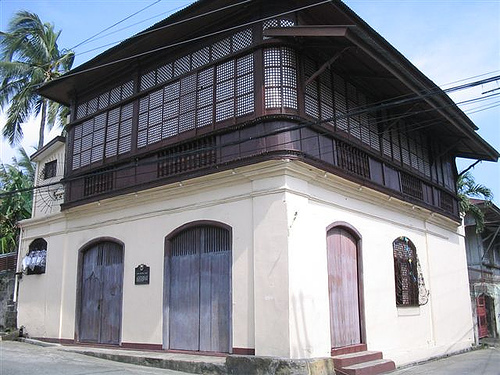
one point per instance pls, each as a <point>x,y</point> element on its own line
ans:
<point>255,142</point>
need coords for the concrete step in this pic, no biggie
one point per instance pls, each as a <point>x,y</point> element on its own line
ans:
<point>378,366</point>
<point>344,360</point>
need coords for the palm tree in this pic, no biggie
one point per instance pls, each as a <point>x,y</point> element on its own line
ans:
<point>467,187</point>
<point>30,57</point>
<point>16,183</point>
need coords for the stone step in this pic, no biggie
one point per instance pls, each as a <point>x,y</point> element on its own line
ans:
<point>378,366</point>
<point>344,360</point>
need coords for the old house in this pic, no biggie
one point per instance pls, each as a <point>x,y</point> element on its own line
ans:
<point>259,178</point>
<point>483,260</point>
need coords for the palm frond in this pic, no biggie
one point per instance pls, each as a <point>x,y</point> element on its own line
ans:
<point>30,57</point>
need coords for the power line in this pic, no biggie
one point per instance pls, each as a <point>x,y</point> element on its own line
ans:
<point>195,39</point>
<point>115,24</point>
<point>129,26</point>
<point>300,125</point>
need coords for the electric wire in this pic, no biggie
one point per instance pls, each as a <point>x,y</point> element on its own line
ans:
<point>194,39</point>
<point>298,126</point>
<point>115,24</point>
<point>148,31</point>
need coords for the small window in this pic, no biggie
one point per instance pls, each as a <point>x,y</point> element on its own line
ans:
<point>406,272</point>
<point>34,262</point>
<point>50,169</point>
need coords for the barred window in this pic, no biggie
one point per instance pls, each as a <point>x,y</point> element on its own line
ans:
<point>406,272</point>
<point>280,78</point>
<point>34,262</point>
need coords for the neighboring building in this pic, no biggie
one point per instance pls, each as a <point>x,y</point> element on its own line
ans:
<point>483,259</point>
<point>271,179</point>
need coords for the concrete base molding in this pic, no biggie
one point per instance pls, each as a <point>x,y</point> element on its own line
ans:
<point>236,365</point>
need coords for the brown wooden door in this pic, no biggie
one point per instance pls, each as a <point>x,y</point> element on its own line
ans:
<point>101,294</point>
<point>345,327</point>
<point>198,282</point>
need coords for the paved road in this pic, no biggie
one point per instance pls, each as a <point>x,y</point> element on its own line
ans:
<point>476,362</point>
<point>17,358</point>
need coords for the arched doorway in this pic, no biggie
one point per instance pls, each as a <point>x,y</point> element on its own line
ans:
<point>344,270</point>
<point>100,297</point>
<point>197,303</point>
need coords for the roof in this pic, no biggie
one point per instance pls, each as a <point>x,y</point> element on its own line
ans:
<point>206,17</point>
<point>48,148</point>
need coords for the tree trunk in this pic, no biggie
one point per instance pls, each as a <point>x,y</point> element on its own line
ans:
<point>42,124</point>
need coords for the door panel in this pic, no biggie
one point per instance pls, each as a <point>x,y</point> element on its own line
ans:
<point>184,301</point>
<point>90,296</point>
<point>101,294</point>
<point>111,302</point>
<point>199,290</point>
<point>343,288</point>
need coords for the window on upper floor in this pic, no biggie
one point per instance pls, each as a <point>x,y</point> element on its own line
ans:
<point>50,169</point>
<point>280,78</point>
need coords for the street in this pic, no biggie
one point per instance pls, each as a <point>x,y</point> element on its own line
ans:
<point>18,358</point>
<point>476,362</point>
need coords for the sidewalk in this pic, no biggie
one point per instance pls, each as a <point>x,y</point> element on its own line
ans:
<point>476,362</point>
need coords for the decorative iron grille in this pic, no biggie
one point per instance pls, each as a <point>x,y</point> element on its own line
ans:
<point>406,272</point>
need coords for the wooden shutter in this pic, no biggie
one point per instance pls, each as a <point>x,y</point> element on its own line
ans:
<point>199,279</point>
<point>101,294</point>
<point>343,288</point>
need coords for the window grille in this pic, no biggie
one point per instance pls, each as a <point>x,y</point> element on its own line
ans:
<point>187,157</point>
<point>50,169</point>
<point>278,22</point>
<point>35,261</point>
<point>446,201</point>
<point>105,99</point>
<point>406,272</point>
<point>204,56</point>
<point>99,182</point>
<point>190,102</point>
<point>411,186</point>
<point>280,78</point>
<point>352,159</point>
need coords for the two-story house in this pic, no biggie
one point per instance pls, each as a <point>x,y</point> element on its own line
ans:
<point>260,178</point>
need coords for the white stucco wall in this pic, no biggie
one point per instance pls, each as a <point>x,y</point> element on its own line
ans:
<point>279,212</point>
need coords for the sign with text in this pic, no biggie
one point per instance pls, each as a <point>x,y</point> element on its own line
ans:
<point>141,275</point>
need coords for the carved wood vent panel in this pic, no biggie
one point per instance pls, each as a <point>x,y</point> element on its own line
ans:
<point>187,157</point>
<point>446,201</point>
<point>99,182</point>
<point>411,186</point>
<point>352,159</point>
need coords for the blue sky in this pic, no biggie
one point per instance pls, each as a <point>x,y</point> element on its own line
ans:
<point>448,40</point>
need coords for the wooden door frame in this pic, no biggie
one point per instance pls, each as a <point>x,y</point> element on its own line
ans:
<point>79,282</point>
<point>166,280</point>
<point>357,236</point>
